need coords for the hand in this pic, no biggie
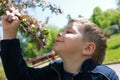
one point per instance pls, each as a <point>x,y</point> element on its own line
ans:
<point>10,23</point>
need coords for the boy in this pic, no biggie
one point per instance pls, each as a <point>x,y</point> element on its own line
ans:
<point>81,45</point>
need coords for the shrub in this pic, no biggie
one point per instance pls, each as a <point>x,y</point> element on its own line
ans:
<point>112,53</point>
<point>111,30</point>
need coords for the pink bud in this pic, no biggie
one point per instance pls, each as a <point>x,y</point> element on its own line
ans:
<point>44,41</point>
<point>39,26</point>
<point>38,34</point>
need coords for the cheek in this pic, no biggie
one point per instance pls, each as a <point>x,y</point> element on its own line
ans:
<point>73,42</point>
<point>70,41</point>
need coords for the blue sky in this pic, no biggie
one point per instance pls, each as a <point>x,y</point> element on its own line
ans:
<point>74,8</point>
<point>82,7</point>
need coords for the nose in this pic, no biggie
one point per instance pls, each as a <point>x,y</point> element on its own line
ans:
<point>59,35</point>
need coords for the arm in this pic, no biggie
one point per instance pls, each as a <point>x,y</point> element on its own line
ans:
<point>13,63</point>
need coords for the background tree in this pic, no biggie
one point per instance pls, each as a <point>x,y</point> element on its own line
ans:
<point>50,38</point>
<point>97,16</point>
<point>30,49</point>
<point>107,19</point>
<point>118,3</point>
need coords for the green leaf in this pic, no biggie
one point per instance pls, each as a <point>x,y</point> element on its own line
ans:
<point>2,11</point>
<point>45,31</point>
<point>33,30</point>
<point>24,23</point>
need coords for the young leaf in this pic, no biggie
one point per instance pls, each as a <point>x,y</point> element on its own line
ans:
<point>25,16</point>
<point>45,31</point>
<point>24,23</point>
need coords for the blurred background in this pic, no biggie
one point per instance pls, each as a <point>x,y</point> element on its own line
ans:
<point>105,13</point>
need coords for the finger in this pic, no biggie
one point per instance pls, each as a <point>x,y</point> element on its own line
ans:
<point>15,18</point>
<point>18,15</point>
<point>11,10</point>
<point>15,11</point>
<point>7,12</point>
<point>10,18</point>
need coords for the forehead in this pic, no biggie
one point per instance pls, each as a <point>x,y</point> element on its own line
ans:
<point>74,25</point>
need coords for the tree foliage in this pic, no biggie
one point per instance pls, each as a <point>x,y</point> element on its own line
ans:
<point>30,49</point>
<point>107,18</point>
<point>118,3</point>
<point>53,31</point>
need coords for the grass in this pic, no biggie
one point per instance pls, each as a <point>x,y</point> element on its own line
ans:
<point>113,50</point>
<point>2,74</point>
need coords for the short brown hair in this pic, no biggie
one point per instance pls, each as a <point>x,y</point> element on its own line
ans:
<point>94,34</point>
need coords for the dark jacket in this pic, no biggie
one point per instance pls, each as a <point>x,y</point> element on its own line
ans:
<point>16,68</point>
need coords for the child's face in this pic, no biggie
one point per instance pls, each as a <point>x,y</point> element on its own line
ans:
<point>70,40</point>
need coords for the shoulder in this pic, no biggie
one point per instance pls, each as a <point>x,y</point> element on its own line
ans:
<point>106,71</point>
<point>103,68</point>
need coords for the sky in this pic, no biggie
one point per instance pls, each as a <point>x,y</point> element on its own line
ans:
<point>82,7</point>
<point>72,7</point>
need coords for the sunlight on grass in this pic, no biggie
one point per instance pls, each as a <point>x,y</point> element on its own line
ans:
<point>2,74</point>
<point>113,50</point>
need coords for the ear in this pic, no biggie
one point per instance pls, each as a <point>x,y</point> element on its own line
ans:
<point>89,49</point>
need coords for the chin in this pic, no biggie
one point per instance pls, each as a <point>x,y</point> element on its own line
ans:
<point>57,50</point>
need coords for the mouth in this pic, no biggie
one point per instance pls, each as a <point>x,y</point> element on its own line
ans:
<point>58,41</point>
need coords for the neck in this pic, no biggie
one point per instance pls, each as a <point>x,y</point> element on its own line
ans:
<point>73,65</point>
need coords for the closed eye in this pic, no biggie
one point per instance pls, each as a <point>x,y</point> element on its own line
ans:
<point>68,32</point>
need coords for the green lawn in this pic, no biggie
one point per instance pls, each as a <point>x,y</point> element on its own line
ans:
<point>113,50</point>
<point>2,74</point>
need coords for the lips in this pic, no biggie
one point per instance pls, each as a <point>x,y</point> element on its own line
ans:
<point>59,41</point>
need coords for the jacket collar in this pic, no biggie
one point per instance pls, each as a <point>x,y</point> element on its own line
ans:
<point>88,65</point>
<point>56,65</point>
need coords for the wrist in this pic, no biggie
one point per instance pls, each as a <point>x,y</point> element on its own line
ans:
<point>9,35</point>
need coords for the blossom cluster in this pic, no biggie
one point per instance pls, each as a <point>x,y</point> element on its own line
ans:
<point>29,25</point>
